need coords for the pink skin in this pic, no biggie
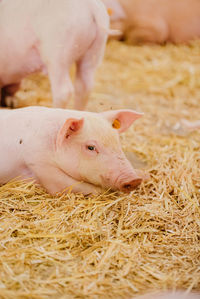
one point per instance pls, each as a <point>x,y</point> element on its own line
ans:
<point>66,149</point>
<point>158,21</point>
<point>51,41</point>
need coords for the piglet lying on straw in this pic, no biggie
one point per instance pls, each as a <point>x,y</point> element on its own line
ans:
<point>67,148</point>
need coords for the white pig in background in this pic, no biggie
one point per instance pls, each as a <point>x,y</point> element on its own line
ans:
<point>49,36</point>
<point>61,148</point>
<point>155,21</point>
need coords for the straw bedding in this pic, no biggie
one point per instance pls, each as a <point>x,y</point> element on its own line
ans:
<point>116,245</point>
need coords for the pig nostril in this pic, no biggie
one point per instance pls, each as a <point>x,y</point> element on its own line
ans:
<point>131,185</point>
<point>128,186</point>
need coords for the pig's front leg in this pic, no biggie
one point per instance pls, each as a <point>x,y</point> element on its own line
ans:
<point>8,91</point>
<point>86,68</point>
<point>83,84</point>
<point>61,85</point>
<point>2,97</point>
<point>57,68</point>
<point>55,180</point>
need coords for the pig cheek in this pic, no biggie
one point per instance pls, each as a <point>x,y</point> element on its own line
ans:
<point>69,162</point>
<point>91,169</point>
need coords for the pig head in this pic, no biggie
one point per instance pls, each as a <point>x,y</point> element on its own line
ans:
<point>88,149</point>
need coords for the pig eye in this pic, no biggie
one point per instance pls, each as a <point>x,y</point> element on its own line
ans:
<point>92,148</point>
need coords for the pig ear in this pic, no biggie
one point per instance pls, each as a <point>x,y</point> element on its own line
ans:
<point>71,127</point>
<point>121,119</point>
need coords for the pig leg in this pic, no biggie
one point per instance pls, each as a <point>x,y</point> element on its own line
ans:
<point>83,84</point>
<point>3,97</point>
<point>61,84</point>
<point>57,67</point>
<point>8,90</point>
<point>55,180</point>
<point>86,68</point>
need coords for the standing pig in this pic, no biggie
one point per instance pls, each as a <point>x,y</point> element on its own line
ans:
<point>61,148</point>
<point>49,36</point>
<point>156,21</point>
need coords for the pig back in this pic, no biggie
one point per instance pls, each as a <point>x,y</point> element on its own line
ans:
<point>184,20</point>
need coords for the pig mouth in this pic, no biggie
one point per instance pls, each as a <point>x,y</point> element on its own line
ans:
<point>126,184</point>
<point>130,186</point>
<point>85,180</point>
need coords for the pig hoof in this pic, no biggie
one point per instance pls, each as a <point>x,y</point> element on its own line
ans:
<point>7,96</point>
<point>8,101</point>
<point>11,102</point>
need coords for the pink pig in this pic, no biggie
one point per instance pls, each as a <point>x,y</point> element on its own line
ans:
<point>49,36</point>
<point>61,148</point>
<point>156,21</point>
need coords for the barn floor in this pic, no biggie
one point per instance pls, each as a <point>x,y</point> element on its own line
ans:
<point>116,245</point>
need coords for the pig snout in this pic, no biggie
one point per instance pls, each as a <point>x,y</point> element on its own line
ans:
<point>125,181</point>
<point>128,178</point>
<point>130,185</point>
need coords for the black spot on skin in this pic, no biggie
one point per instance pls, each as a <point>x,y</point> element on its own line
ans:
<point>21,141</point>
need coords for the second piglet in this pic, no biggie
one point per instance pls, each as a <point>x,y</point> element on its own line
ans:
<point>49,36</point>
<point>156,21</point>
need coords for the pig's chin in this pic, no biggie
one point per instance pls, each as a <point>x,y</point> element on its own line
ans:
<point>93,182</point>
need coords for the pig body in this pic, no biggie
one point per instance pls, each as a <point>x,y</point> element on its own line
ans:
<point>156,21</point>
<point>62,148</point>
<point>49,36</point>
